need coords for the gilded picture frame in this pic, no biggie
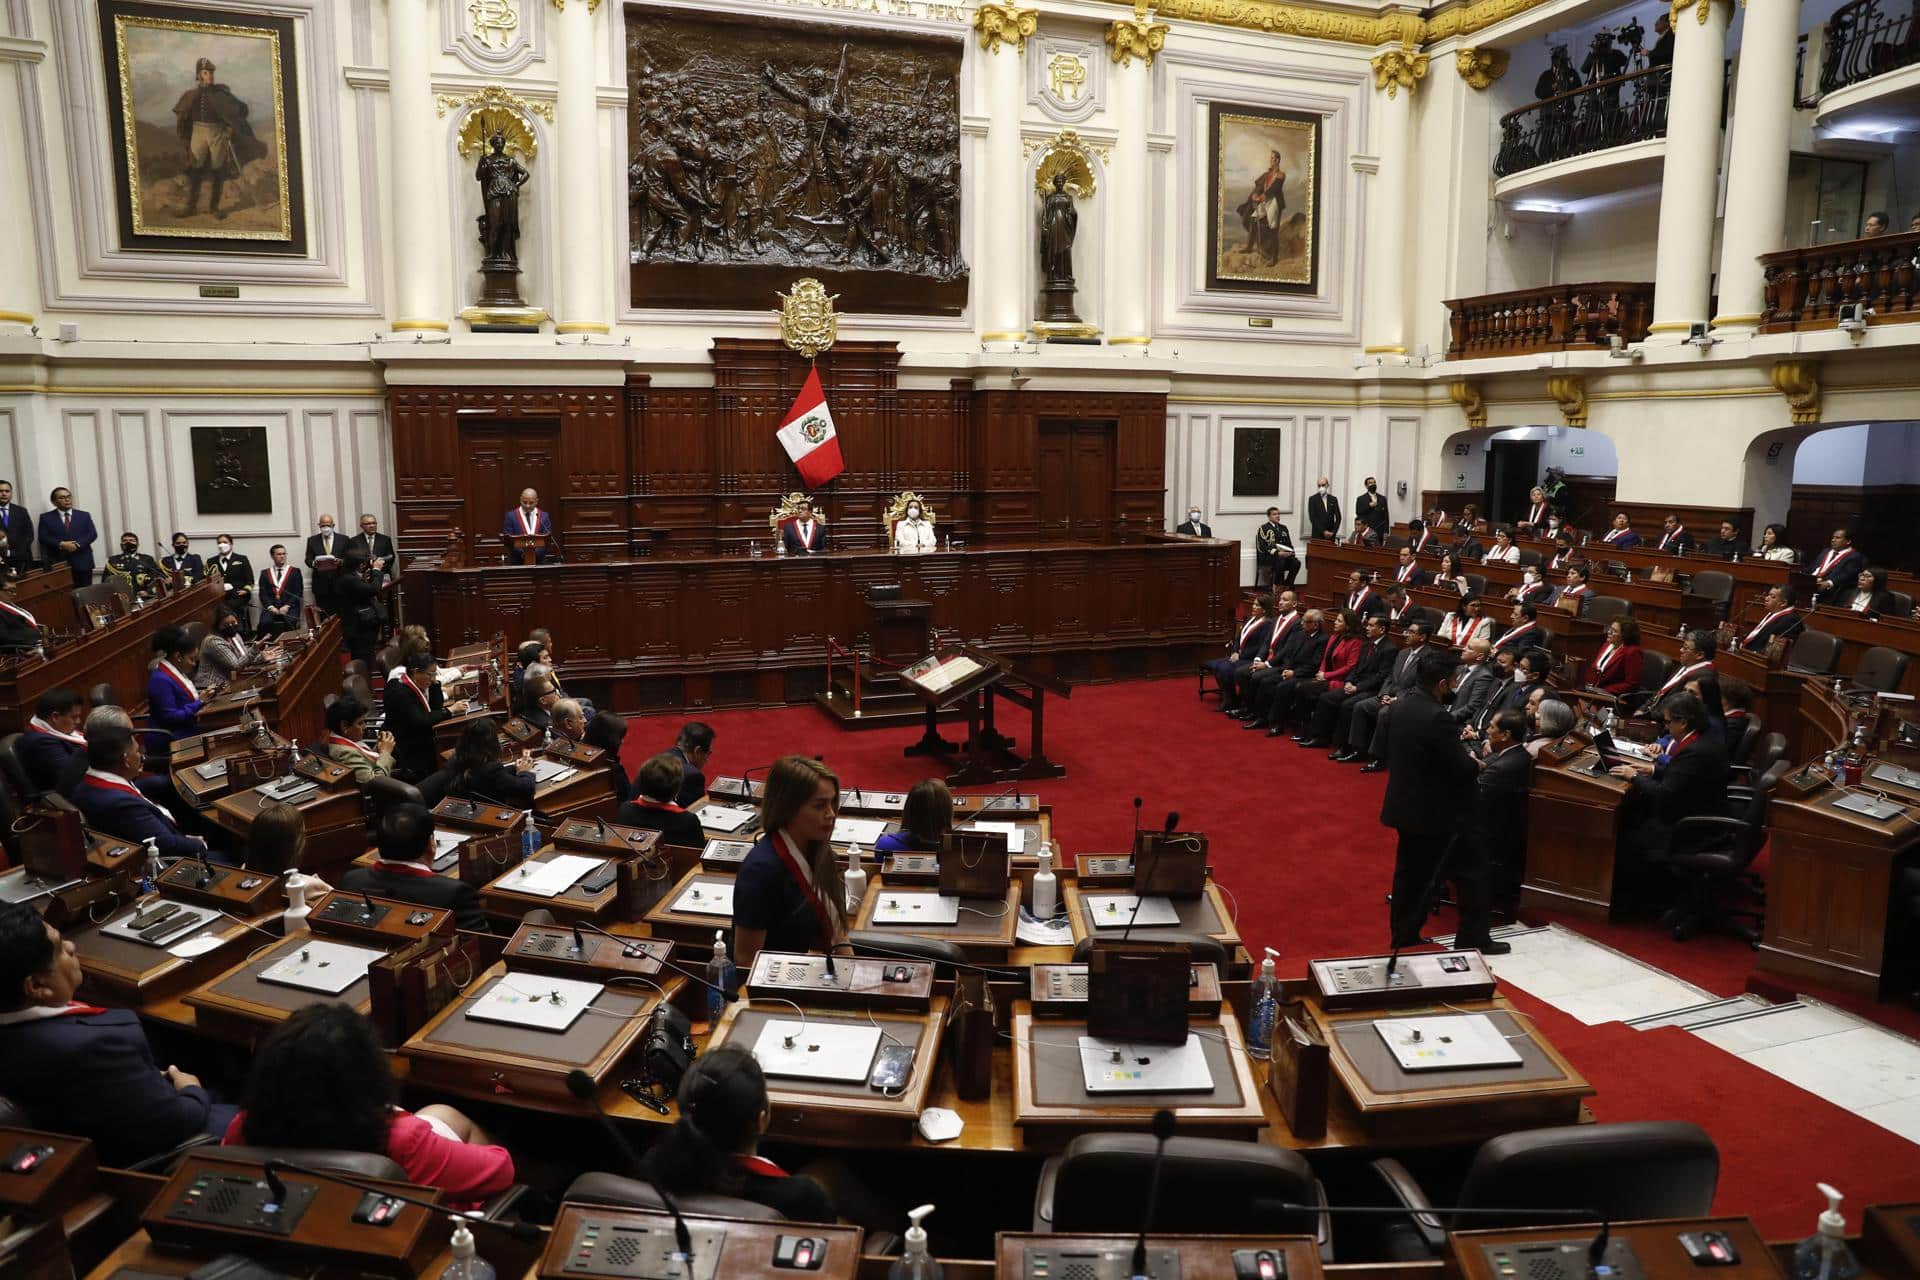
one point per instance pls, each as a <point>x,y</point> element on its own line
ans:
<point>203,106</point>
<point>1263,199</point>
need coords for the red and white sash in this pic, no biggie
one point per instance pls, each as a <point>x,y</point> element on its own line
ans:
<point>37,725</point>
<point>21,614</point>
<point>1359,598</point>
<point>362,748</point>
<point>760,1166</point>
<point>1582,590</point>
<point>1246,631</point>
<point>417,870</point>
<point>1765,623</point>
<point>1537,514</point>
<point>277,575</point>
<point>527,526</point>
<point>107,782</point>
<point>1614,535</point>
<point>1280,630</point>
<point>802,874</point>
<point>1607,658</point>
<point>1681,676</point>
<point>1832,558</point>
<point>1681,745</point>
<point>665,806</point>
<point>425,701</point>
<point>1406,571</point>
<point>805,529</point>
<point>1517,632</point>
<point>173,673</point>
<point>1677,531</point>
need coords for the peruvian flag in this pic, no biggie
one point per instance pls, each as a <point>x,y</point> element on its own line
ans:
<point>808,435</point>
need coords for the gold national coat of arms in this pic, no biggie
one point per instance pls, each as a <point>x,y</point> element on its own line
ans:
<point>807,322</point>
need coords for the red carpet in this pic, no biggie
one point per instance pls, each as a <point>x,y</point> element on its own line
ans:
<point>1297,840</point>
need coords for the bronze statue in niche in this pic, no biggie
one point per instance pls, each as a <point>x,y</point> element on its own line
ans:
<point>760,149</point>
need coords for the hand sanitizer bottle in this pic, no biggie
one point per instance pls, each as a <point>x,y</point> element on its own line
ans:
<point>856,879</point>
<point>1824,1254</point>
<point>721,978</point>
<point>1046,887</point>
<point>294,919</point>
<point>914,1262</point>
<point>151,875</point>
<point>466,1264</point>
<point>1265,1006</point>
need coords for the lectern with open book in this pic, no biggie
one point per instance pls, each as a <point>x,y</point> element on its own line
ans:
<point>970,678</point>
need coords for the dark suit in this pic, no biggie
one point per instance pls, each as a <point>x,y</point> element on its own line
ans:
<point>676,826</point>
<point>190,567</point>
<point>1725,548</point>
<point>17,523</point>
<point>1623,538</point>
<point>1788,624</point>
<point>323,578</point>
<point>47,759</point>
<point>1467,547</point>
<point>1364,681</point>
<point>1679,542</point>
<point>1473,690</point>
<point>693,783</point>
<point>1878,603</point>
<point>379,547</point>
<point>511,528</point>
<point>796,544</point>
<point>1323,515</point>
<point>133,818</point>
<point>79,529</point>
<point>1539,593</point>
<point>1370,601</point>
<point>93,1075</point>
<point>1415,576</point>
<point>16,633</point>
<point>1270,566</point>
<point>1246,644</point>
<point>237,572</point>
<point>498,783</point>
<point>1359,719</point>
<point>1525,636</point>
<point>1236,684</point>
<point>1500,826</point>
<point>356,600</point>
<point>1370,509</point>
<point>1192,530</point>
<point>1692,783</point>
<point>1299,653</point>
<point>443,893</point>
<point>411,724</point>
<point>288,597</point>
<point>1429,798</point>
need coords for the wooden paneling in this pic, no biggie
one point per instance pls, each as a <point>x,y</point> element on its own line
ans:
<point>1881,517</point>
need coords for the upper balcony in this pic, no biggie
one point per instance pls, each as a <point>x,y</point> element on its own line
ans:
<point>1869,71</point>
<point>1807,287</point>
<point>1550,150</point>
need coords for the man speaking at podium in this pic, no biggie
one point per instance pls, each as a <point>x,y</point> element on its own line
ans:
<point>524,521</point>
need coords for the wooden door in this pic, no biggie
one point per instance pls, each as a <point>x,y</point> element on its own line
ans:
<point>1055,478</point>
<point>503,459</point>
<point>1076,480</point>
<point>1513,469</point>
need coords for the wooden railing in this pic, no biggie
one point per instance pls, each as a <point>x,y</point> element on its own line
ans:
<point>1864,41</point>
<point>1807,287</point>
<point>1607,113</point>
<point>1558,317</point>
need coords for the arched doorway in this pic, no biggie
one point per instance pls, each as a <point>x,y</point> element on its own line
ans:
<point>1494,468</point>
<point>1861,475</point>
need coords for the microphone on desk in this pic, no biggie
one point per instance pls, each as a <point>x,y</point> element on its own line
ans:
<point>631,949</point>
<point>1162,1130</point>
<point>1596,1248</point>
<point>994,802</point>
<point>579,943</point>
<point>1137,802</point>
<point>270,1173</point>
<point>581,1086</point>
<point>366,905</point>
<point>1173,821</point>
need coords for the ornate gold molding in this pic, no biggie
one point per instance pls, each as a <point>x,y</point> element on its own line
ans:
<point>1398,69</point>
<point>1278,17</point>
<point>1799,382</point>
<point>1569,391</point>
<point>808,324</point>
<point>1699,7</point>
<point>1480,67</point>
<point>1065,153</point>
<point>561,5</point>
<point>495,107</point>
<point>1000,22</point>
<point>1466,394</point>
<point>1128,39</point>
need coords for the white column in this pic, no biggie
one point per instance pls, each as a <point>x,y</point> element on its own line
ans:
<point>1690,178</point>
<point>1383,317</point>
<point>1005,210</point>
<point>422,260</point>
<point>1132,43</point>
<point>1757,161</point>
<point>19,272</point>
<point>576,125</point>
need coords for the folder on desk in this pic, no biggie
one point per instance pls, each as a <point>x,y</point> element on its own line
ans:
<point>532,1000</point>
<point>1110,1066</point>
<point>1440,1044</point>
<point>898,907</point>
<point>326,967</point>
<point>819,1050</point>
<point>1115,911</point>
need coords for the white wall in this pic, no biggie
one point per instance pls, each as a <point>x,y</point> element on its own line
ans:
<point>1612,239</point>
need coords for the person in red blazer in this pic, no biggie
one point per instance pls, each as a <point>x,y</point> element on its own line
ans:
<point>1616,668</point>
<point>1337,662</point>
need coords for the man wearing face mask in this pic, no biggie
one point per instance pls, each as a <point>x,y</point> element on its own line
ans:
<point>134,566</point>
<point>237,572</point>
<point>1194,526</point>
<point>913,533</point>
<point>1370,509</point>
<point>1323,511</point>
<point>325,550</point>
<point>183,563</point>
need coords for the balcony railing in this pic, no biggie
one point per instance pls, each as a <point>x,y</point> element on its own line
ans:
<point>1807,287</point>
<point>1559,317</point>
<point>1607,113</point>
<point>1864,41</point>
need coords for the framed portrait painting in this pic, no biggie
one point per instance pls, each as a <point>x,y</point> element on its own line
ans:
<point>204,109</point>
<point>1263,199</point>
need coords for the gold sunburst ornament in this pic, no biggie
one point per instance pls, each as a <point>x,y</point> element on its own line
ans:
<point>495,108</point>
<point>808,324</point>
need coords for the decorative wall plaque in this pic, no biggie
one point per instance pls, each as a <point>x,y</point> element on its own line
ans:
<point>762,148</point>
<point>231,474</point>
<point>1256,462</point>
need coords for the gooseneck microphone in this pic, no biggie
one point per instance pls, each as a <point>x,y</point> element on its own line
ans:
<point>581,1086</point>
<point>1162,1130</point>
<point>270,1174</point>
<point>1139,881</point>
<point>1137,802</point>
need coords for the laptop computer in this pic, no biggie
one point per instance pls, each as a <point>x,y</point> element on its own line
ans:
<point>1111,1066</point>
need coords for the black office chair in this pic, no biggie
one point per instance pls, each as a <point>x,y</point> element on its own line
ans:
<point>1771,749</point>
<point>1880,669</point>
<point>1602,610</point>
<point>888,944</point>
<point>384,794</point>
<point>1209,1186</point>
<point>14,770</point>
<point>102,695</point>
<point>1655,669</point>
<point>1741,751</point>
<point>1643,1169</point>
<point>1717,887</point>
<point>1715,585</point>
<point>614,1191</point>
<point>357,1164</point>
<point>1531,558</point>
<point>1815,653</point>
<point>1202,948</point>
<point>1902,604</point>
<point>1476,583</point>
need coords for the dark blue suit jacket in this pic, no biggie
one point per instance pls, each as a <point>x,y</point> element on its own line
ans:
<point>169,707</point>
<point>93,1074</point>
<point>46,758</point>
<point>510,528</point>
<point>81,532</point>
<point>131,818</point>
<point>296,591</point>
<point>17,523</point>
<point>1627,539</point>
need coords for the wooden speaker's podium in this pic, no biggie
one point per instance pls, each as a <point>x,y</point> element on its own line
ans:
<point>869,693</point>
<point>968,678</point>
<point>527,548</point>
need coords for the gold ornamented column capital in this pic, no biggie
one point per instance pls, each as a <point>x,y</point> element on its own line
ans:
<point>1699,7</point>
<point>1799,382</point>
<point>1569,391</point>
<point>1466,393</point>
<point>1136,37</point>
<point>1398,69</point>
<point>592,5</point>
<point>1480,67</point>
<point>999,22</point>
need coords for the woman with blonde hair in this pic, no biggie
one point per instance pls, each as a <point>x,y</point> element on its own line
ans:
<point>791,892</point>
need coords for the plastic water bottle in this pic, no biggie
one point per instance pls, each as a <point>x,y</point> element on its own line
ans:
<point>529,836</point>
<point>1046,887</point>
<point>914,1262</point>
<point>856,879</point>
<point>1824,1254</point>
<point>1266,1005</point>
<point>721,979</point>
<point>292,755</point>
<point>466,1264</point>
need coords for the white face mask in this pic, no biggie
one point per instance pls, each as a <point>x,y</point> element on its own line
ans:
<point>913,513</point>
<point>1323,488</point>
<point>1194,516</point>
<point>225,547</point>
<point>1529,577</point>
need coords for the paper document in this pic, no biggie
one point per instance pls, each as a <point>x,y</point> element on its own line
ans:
<point>722,817</point>
<point>553,877</point>
<point>534,1000</point>
<point>861,830</point>
<point>1015,833</point>
<point>1435,1044</point>
<point>445,842</point>
<point>545,771</point>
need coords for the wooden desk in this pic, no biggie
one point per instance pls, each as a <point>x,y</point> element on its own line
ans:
<point>1200,1256</point>
<point>1205,913</point>
<point>1078,610</point>
<point>116,654</point>
<point>984,935</point>
<point>1573,821</point>
<point>1502,1254</point>
<point>692,929</point>
<point>123,971</point>
<point>499,898</point>
<point>47,594</point>
<point>335,818</point>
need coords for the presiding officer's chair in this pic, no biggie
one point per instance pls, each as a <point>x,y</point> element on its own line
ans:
<point>1642,1169</point>
<point>1209,1186</point>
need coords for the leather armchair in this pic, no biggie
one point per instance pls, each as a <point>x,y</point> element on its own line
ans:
<point>1647,1169</point>
<point>359,1164</point>
<point>631,1193</point>
<point>1717,888</point>
<point>890,945</point>
<point>1208,1185</point>
<point>14,771</point>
